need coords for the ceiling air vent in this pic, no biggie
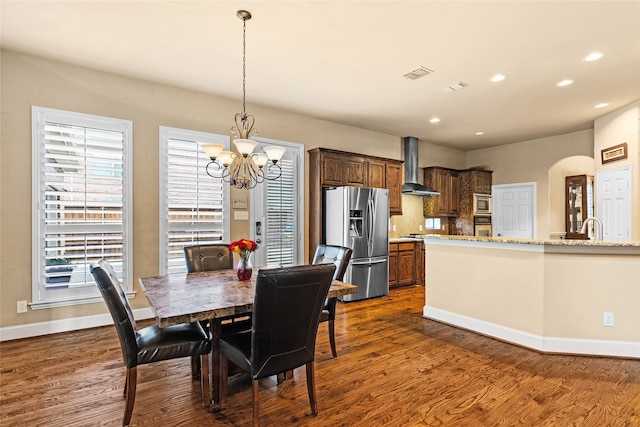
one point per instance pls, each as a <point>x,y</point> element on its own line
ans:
<point>454,87</point>
<point>417,73</point>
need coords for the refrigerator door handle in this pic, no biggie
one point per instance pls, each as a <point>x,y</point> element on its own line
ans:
<point>370,225</point>
<point>369,262</point>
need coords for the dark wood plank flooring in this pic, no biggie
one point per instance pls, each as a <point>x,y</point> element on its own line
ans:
<point>394,368</point>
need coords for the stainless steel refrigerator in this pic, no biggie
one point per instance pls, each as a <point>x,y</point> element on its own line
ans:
<point>358,218</point>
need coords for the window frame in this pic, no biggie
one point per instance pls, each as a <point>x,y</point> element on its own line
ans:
<point>199,137</point>
<point>44,296</point>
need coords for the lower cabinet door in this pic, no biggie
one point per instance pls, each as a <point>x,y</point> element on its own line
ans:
<point>406,267</point>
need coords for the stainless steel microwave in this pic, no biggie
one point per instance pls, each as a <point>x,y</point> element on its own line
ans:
<point>481,204</point>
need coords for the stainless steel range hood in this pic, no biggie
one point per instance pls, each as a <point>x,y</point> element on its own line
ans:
<point>411,185</point>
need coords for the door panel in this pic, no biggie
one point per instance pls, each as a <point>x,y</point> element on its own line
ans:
<point>514,210</point>
<point>276,205</point>
<point>614,203</point>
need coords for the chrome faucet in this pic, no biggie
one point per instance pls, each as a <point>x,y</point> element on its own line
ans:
<point>596,232</point>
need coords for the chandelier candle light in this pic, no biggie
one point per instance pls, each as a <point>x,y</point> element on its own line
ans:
<point>247,169</point>
<point>244,248</point>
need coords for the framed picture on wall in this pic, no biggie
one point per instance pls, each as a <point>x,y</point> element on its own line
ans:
<point>617,152</point>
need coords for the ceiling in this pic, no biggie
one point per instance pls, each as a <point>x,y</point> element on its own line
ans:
<point>345,61</point>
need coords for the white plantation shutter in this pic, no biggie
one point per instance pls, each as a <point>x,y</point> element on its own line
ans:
<point>82,192</point>
<point>194,206</point>
<point>281,227</point>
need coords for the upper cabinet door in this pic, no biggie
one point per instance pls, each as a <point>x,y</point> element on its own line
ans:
<point>445,181</point>
<point>356,172</point>
<point>393,182</point>
<point>338,170</point>
<point>376,174</point>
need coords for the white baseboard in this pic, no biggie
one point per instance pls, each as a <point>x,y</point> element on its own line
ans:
<point>65,325</point>
<point>627,349</point>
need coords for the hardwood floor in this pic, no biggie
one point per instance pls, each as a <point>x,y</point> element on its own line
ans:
<point>394,368</point>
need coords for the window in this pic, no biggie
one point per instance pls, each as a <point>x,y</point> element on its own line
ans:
<point>277,205</point>
<point>194,207</point>
<point>82,204</point>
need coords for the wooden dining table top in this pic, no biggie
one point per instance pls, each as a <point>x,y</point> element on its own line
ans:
<point>190,297</point>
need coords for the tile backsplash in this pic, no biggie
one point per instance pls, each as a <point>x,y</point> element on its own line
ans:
<point>411,219</point>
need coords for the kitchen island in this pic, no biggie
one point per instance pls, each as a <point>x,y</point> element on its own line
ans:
<point>552,295</point>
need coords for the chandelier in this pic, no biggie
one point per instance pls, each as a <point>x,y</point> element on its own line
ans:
<point>247,169</point>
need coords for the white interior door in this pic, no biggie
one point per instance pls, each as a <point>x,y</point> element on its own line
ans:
<point>514,210</point>
<point>614,202</point>
<point>277,211</point>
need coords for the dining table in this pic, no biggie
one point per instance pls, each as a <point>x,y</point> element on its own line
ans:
<point>212,296</point>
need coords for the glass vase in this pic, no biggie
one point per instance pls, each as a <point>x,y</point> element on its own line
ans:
<point>244,267</point>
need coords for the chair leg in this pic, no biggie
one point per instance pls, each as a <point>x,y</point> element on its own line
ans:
<point>311,388</point>
<point>131,382</point>
<point>126,385</point>
<point>195,367</point>
<point>256,405</point>
<point>332,338</point>
<point>204,379</point>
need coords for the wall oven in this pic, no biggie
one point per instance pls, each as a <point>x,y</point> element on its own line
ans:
<point>482,204</point>
<point>482,226</point>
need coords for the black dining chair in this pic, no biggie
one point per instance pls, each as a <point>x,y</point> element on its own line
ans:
<point>209,257</point>
<point>286,313</point>
<point>149,344</point>
<point>340,256</point>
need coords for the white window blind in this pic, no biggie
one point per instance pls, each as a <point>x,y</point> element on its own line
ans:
<point>281,221</point>
<point>194,206</point>
<point>82,193</point>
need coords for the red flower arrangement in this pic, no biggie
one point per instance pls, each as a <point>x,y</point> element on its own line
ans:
<point>243,248</point>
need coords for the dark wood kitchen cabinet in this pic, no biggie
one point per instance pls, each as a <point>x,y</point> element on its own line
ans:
<point>333,168</point>
<point>393,182</point>
<point>406,263</point>
<point>445,181</point>
<point>338,170</point>
<point>471,181</point>
<point>480,180</point>
<point>419,253</point>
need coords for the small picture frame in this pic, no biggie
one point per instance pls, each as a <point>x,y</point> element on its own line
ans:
<point>617,152</point>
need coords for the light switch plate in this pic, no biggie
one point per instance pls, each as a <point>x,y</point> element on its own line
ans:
<point>241,215</point>
<point>239,203</point>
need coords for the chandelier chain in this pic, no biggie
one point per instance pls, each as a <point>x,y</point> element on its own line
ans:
<point>244,66</point>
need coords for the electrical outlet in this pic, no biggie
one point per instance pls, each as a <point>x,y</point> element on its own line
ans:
<point>22,306</point>
<point>607,319</point>
<point>420,227</point>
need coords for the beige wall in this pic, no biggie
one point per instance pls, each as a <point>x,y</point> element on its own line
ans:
<point>529,293</point>
<point>28,80</point>
<point>622,125</point>
<point>473,282</point>
<point>530,161</point>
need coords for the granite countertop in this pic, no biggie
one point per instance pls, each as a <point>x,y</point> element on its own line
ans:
<point>405,239</point>
<point>570,242</point>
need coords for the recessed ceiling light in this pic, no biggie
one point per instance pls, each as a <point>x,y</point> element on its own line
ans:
<point>593,56</point>
<point>601,105</point>
<point>498,78</point>
<point>435,120</point>
<point>565,82</point>
<point>479,133</point>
